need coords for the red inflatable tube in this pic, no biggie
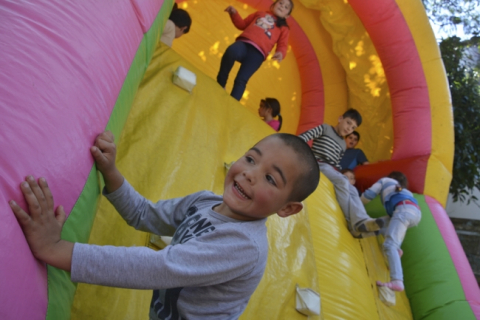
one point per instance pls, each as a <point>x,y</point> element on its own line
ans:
<point>414,168</point>
<point>390,33</point>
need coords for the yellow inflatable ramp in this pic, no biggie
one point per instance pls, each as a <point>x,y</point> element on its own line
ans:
<point>175,143</point>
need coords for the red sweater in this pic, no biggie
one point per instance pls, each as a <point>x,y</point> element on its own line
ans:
<point>260,28</point>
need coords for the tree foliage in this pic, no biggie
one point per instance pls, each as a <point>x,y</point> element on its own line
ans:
<point>458,22</point>
<point>453,16</point>
<point>461,60</point>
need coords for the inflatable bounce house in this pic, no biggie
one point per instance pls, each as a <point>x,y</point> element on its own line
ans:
<point>70,70</point>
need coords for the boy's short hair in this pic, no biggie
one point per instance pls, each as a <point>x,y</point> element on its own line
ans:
<point>181,19</point>
<point>355,133</point>
<point>400,177</point>
<point>347,170</point>
<point>308,180</point>
<point>353,114</point>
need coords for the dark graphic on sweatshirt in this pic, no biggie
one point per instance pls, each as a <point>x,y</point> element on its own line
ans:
<point>164,302</point>
<point>168,309</point>
<point>193,226</point>
<point>267,23</point>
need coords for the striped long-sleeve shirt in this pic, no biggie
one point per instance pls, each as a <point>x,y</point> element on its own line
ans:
<point>328,146</point>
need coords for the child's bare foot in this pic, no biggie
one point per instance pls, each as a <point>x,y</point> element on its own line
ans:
<point>395,285</point>
<point>400,252</point>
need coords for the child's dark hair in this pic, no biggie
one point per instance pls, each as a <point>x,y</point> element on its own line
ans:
<point>347,170</point>
<point>181,18</point>
<point>282,21</point>
<point>355,133</point>
<point>272,103</point>
<point>401,178</point>
<point>308,180</point>
<point>353,114</point>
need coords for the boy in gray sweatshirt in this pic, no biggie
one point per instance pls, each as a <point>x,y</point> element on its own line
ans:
<point>219,248</point>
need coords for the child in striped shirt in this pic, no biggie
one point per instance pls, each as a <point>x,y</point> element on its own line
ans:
<point>328,147</point>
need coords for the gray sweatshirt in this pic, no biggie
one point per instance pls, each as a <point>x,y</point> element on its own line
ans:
<point>209,271</point>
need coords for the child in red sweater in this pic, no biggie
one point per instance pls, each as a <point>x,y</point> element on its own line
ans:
<point>261,31</point>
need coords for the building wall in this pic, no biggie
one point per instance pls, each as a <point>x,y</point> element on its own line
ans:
<point>461,210</point>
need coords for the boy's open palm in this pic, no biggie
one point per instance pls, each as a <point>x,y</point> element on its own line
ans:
<point>42,228</point>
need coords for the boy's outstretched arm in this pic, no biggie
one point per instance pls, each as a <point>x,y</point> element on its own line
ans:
<point>104,152</point>
<point>312,133</point>
<point>42,228</point>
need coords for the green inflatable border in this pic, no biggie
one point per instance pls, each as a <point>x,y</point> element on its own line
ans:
<point>61,290</point>
<point>432,283</point>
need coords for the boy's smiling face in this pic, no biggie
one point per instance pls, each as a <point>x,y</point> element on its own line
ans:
<point>260,183</point>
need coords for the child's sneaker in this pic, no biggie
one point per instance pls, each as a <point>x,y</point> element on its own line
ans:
<point>360,235</point>
<point>370,225</point>
<point>395,285</point>
<point>383,221</point>
<point>356,234</point>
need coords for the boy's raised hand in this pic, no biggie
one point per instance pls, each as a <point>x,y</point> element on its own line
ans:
<point>42,228</point>
<point>231,10</point>
<point>104,152</point>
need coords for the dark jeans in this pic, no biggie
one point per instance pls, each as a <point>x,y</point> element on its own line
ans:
<point>250,58</point>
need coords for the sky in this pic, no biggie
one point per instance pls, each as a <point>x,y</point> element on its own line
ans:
<point>455,30</point>
<point>441,34</point>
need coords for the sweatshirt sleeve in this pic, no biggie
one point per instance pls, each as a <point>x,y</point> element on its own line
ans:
<point>240,23</point>
<point>372,192</point>
<point>282,43</point>
<point>161,218</point>
<point>195,263</point>
<point>312,133</point>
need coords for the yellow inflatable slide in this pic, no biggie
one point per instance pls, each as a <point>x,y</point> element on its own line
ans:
<point>380,58</point>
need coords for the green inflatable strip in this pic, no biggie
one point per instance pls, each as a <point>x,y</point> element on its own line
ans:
<point>431,280</point>
<point>61,290</point>
<point>76,229</point>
